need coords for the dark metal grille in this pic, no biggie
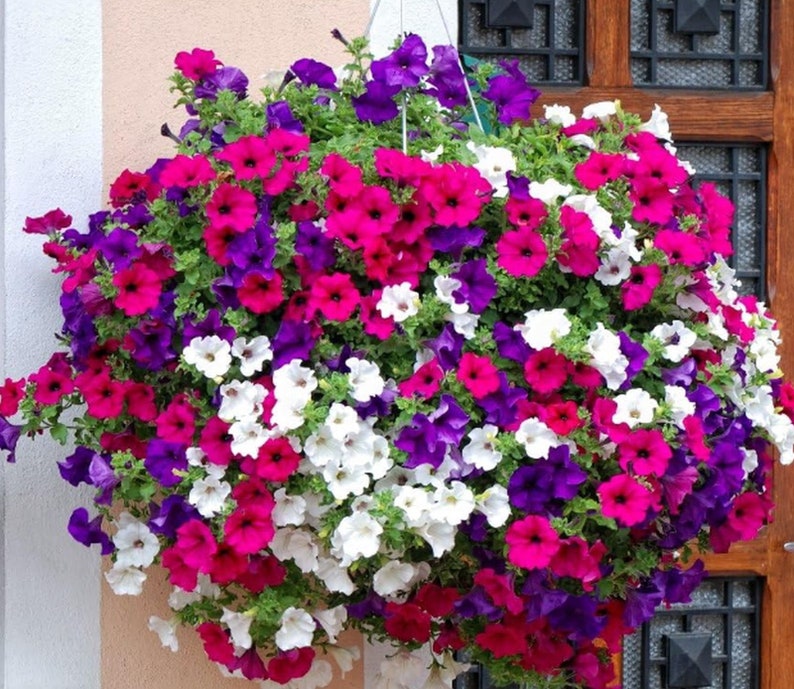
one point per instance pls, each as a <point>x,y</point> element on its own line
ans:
<point>726,608</point>
<point>551,52</point>
<point>737,57</point>
<point>739,171</point>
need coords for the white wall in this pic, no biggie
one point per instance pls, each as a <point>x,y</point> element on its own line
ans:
<point>52,155</point>
<point>414,16</point>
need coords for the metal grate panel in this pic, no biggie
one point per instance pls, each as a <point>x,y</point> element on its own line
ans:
<point>551,52</point>
<point>739,171</point>
<point>737,57</point>
<point>728,609</point>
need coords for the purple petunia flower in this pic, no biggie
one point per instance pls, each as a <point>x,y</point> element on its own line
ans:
<point>279,116</point>
<point>223,79</point>
<point>372,604</point>
<point>447,347</point>
<point>89,532</point>
<point>166,518</point>
<point>421,442</point>
<point>101,475</point>
<point>376,104</point>
<point>677,585</point>
<point>510,343</point>
<point>405,66</point>
<point>452,240</point>
<point>9,436</point>
<point>535,487</point>
<point>120,247</point>
<point>163,458</point>
<point>313,244</point>
<point>76,467</point>
<point>151,342</point>
<point>578,616</point>
<point>641,603</point>
<point>446,77</point>
<point>477,602</point>
<point>511,94</point>
<point>541,600</point>
<point>478,286</point>
<point>211,325</point>
<point>501,407</point>
<point>636,355</point>
<point>683,374</point>
<point>450,420</point>
<point>313,73</point>
<point>293,340</point>
<point>254,249</point>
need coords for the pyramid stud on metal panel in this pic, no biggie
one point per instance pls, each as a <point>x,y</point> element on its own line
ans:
<point>514,14</point>
<point>688,660</point>
<point>697,16</point>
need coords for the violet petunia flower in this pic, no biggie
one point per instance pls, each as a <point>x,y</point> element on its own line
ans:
<point>446,77</point>
<point>477,602</point>
<point>313,73</point>
<point>89,532</point>
<point>101,475</point>
<point>376,104</point>
<point>511,94</point>
<point>636,355</point>
<point>452,240</point>
<point>151,345</point>
<point>578,616</point>
<point>677,585</point>
<point>403,68</point>
<point>279,116</point>
<point>120,247</point>
<point>478,286</point>
<point>223,79</point>
<point>210,325</point>
<point>641,602</point>
<point>75,469</point>
<point>510,343</point>
<point>372,604</point>
<point>293,340</point>
<point>174,511</point>
<point>447,347</point>
<point>314,245</point>
<point>9,436</point>
<point>163,458</point>
<point>420,441</point>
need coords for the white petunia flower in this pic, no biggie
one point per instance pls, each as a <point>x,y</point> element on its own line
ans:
<point>136,545</point>
<point>559,114</point>
<point>454,503</point>
<point>210,355</point>
<point>680,405</point>
<point>464,323</point>
<point>332,620</point>
<point>398,302</point>
<point>248,437</point>
<point>126,581</point>
<point>196,457</point>
<point>166,630</point>
<point>297,545</point>
<point>764,350</point>
<point>345,657</point>
<point>252,354</point>
<point>494,503</point>
<point>413,501</point>
<point>635,407</point>
<point>294,382</point>
<point>404,670</point>
<point>321,447</point>
<point>208,495</point>
<point>676,338</point>
<point>239,624</point>
<point>549,191</point>
<point>445,291</point>
<point>542,327</point>
<point>615,267</point>
<point>380,462</point>
<point>364,378</point>
<point>334,576</point>
<point>289,509</point>
<point>607,357</point>
<point>241,399</point>
<point>480,452</point>
<point>180,598</point>
<point>536,437</point>
<point>493,163</point>
<point>439,535</point>
<point>658,124</point>
<point>602,110</point>
<point>345,479</point>
<point>599,216</point>
<point>296,631</point>
<point>342,420</point>
<point>393,577</point>
<point>288,414</point>
<point>357,536</point>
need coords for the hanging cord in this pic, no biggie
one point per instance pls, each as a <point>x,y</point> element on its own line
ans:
<point>469,94</point>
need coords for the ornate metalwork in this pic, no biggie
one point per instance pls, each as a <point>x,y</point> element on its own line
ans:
<point>703,44</point>
<point>697,16</point>
<point>724,611</point>
<point>550,52</point>
<point>515,14</point>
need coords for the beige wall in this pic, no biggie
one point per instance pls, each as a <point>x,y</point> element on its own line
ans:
<point>140,40</point>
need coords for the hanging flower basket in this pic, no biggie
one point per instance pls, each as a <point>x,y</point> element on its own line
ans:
<point>351,359</point>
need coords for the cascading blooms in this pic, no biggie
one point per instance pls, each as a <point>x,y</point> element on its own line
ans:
<point>480,396</point>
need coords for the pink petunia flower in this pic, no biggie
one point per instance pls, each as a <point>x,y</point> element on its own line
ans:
<point>645,452</point>
<point>250,157</point>
<point>334,297</point>
<point>638,290</point>
<point>260,294</point>
<point>625,500</point>
<point>249,528</point>
<point>546,370</point>
<point>522,252</point>
<point>478,375</point>
<point>231,207</point>
<point>187,171</point>
<point>139,289</point>
<point>532,542</point>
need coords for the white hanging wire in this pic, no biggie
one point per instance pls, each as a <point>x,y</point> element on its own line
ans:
<point>469,93</point>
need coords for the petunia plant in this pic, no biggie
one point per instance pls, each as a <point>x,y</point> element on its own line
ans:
<point>351,358</point>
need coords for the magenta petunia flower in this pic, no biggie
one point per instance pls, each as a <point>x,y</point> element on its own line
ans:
<point>139,289</point>
<point>250,157</point>
<point>625,500</point>
<point>478,375</point>
<point>334,297</point>
<point>232,207</point>
<point>522,253</point>
<point>532,542</point>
